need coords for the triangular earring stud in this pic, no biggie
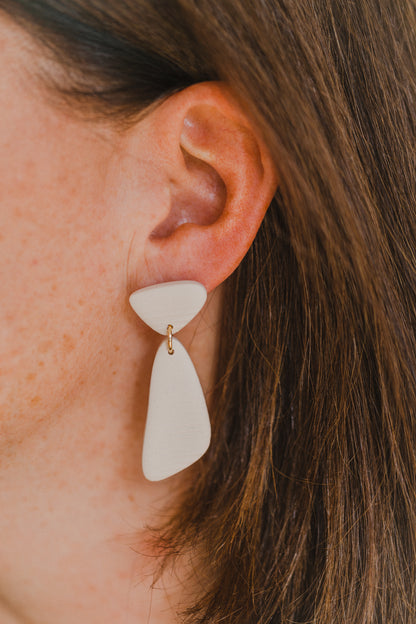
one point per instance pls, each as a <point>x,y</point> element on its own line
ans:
<point>178,430</point>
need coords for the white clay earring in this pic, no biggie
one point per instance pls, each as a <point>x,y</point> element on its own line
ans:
<point>178,430</point>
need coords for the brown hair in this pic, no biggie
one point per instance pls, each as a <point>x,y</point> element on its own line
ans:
<point>305,505</point>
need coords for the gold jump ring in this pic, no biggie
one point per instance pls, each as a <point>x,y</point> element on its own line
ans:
<point>171,350</point>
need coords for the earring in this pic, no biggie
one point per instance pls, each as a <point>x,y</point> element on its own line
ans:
<point>178,430</point>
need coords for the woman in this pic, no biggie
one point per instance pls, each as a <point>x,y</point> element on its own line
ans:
<point>267,151</point>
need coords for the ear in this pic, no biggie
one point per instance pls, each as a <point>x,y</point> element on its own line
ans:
<point>221,182</point>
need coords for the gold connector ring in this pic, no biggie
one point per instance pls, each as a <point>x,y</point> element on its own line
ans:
<point>171,350</point>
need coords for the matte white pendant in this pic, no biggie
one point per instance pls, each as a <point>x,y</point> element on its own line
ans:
<point>175,303</point>
<point>178,430</point>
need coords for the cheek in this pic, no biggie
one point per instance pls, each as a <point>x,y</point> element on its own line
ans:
<point>73,218</point>
<point>53,317</point>
<point>58,266</point>
<point>52,249</point>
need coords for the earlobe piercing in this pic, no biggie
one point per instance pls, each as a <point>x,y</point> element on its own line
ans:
<point>178,430</point>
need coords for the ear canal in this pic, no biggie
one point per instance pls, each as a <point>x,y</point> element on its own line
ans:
<point>200,202</point>
<point>178,430</point>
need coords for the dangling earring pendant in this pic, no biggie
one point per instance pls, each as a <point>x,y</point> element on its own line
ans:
<point>178,430</point>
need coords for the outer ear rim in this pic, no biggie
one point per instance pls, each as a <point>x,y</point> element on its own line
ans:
<point>209,253</point>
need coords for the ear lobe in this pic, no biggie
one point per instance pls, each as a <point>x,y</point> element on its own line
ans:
<point>222,183</point>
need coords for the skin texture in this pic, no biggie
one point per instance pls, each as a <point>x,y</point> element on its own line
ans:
<point>89,214</point>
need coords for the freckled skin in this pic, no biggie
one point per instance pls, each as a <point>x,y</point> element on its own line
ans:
<point>77,206</point>
<point>64,248</point>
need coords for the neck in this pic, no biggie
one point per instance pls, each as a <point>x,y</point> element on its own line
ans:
<point>74,511</point>
<point>75,507</point>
